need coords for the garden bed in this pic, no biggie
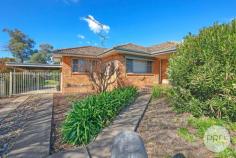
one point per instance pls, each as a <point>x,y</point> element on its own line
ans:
<point>61,105</point>
<point>166,133</point>
<point>85,117</point>
<point>159,130</point>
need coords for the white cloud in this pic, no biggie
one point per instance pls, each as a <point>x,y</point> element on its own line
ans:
<point>88,42</point>
<point>81,36</point>
<point>96,26</point>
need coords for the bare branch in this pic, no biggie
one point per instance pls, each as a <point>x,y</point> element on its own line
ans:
<point>102,75</point>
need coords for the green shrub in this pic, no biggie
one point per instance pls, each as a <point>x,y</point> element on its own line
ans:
<point>203,73</point>
<point>89,116</point>
<point>159,91</point>
<point>156,91</point>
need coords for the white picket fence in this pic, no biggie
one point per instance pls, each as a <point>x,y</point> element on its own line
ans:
<point>29,82</point>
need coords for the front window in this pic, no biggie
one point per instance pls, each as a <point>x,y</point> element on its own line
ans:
<point>79,65</point>
<point>138,66</point>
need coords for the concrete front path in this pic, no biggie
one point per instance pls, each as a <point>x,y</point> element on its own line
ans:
<point>34,141</point>
<point>7,105</point>
<point>128,120</point>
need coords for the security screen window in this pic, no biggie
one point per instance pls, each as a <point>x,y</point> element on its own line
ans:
<point>79,65</point>
<point>138,66</point>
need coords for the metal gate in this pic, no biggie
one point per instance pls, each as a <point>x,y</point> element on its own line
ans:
<point>29,82</point>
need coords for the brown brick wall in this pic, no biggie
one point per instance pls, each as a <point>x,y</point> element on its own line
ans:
<point>77,82</point>
<point>73,82</point>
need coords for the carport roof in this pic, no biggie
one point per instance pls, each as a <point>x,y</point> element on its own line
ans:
<point>33,66</point>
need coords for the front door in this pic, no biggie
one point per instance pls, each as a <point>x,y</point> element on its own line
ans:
<point>164,71</point>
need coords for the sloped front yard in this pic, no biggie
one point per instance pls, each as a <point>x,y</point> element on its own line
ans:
<point>79,123</point>
<point>159,130</point>
<point>61,105</point>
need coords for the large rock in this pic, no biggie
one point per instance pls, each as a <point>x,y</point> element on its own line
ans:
<point>128,144</point>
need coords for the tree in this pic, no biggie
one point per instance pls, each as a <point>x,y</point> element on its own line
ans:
<point>102,75</point>
<point>20,44</point>
<point>3,61</point>
<point>42,56</point>
<point>203,73</point>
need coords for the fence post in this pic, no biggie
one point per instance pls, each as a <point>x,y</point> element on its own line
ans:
<point>10,84</point>
<point>37,78</point>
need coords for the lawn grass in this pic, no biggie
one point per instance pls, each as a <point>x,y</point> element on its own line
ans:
<point>51,82</point>
<point>227,153</point>
<point>201,125</point>
<point>186,135</point>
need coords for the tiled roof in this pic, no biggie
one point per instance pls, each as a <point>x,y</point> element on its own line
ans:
<point>162,47</point>
<point>132,47</point>
<point>86,50</point>
<point>96,51</point>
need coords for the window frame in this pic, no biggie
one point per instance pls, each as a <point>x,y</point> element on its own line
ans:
<point>78,68</point>
<point>143,60</point>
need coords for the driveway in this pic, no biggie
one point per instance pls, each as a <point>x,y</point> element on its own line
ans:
<point>25,130</point>
<point>8,105</point>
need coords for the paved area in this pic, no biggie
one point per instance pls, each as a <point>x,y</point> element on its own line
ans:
<point>127,120</point>
<point>7,105</point>
<point>34,138</point>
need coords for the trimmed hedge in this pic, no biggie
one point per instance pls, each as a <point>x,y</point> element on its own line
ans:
<point>89,116</point>
<point>203,73</point>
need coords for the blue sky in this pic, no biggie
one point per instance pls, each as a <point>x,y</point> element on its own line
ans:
<point>63,23</point>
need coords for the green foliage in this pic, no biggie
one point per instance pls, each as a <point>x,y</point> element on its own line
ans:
<point>203,123</point>
<point>43,55</point>
<point>227,153</point>
<point>159,91</point>
<point>233,140</point>
<point>203,73</point>
<point>51,82</point>
<point>156,91</point>
<point>20,44</point>
<point>38,58</point>
<point>185,134</point>
<point>90,115</point>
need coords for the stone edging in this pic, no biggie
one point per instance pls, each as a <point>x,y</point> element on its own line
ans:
<point>136,127</point>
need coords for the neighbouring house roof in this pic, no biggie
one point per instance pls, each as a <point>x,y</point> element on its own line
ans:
<point>92,51</point>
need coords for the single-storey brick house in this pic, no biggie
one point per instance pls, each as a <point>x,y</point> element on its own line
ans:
<point>140,66</point>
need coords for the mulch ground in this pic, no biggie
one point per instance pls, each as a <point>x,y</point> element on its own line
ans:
<point>158,129</point>
<point>61,106</point>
